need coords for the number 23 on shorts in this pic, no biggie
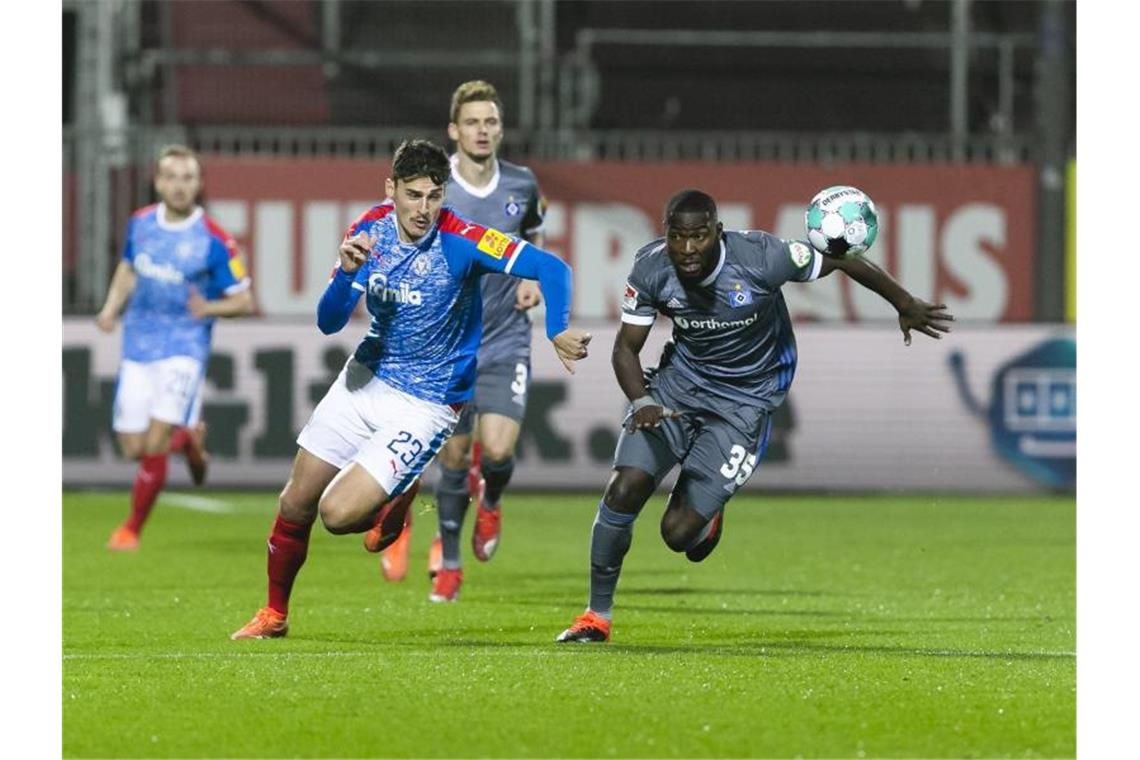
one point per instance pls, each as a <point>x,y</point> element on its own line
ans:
<point>406,447</point>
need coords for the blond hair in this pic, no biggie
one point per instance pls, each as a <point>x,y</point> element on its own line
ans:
<point>177,150</point>
<point>473,91</point>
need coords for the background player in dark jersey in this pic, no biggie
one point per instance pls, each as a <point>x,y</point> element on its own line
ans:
<point>398,398</point>
<point>485,189</point>
<point>179,271</point>
<point>708,405</point>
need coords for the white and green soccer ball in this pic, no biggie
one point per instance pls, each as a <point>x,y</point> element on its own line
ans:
<point>841,221</point>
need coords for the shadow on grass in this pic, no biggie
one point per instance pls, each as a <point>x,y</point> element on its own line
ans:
<point>800,644</point>
<point>686,590</point>
<point>795,647</point>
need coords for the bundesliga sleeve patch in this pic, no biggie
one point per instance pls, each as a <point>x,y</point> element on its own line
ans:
<point>237,268</point>
<point>801,254</point>
<point>629,300</point>
<point>494,243</point>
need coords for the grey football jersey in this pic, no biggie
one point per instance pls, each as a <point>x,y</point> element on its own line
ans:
<point>510,203</point>
<point>732,336</point>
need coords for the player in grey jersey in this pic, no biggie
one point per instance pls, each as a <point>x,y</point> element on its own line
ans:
<point>496,193</point>
<point>708,405</point>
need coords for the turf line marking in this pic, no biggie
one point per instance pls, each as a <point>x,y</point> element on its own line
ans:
<point>486,653</point>
<point>233,655</point>
<point>196,503</point>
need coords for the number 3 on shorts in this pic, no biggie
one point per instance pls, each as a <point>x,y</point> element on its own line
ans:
<point>739,466</point>
<point>518,387</point>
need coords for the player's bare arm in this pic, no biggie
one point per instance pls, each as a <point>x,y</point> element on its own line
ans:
<point>355,251</point>
<point>570,345</point>
<point>626,360</point>
<point>122,285</point>
<point>914,313</point>
<point>237,305</point>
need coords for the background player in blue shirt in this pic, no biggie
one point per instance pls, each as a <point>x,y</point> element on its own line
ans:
<point>497,193</point>
<point>708,405</point>
<point>398,398</point>
<point>179,271</point>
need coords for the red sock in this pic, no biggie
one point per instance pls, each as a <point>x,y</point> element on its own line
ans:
<point>179,438</point>
<point>288,545</point>
<point>149,480</point>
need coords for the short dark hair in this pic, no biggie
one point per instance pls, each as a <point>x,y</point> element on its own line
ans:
<point>420,158</point>
<point>471,92</point>
<point>690,201</point>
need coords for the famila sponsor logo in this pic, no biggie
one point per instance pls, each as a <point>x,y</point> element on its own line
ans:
<point>378,288</point>
<point>153,270</point>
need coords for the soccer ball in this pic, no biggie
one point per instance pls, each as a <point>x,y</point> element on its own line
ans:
<point>841,221</point>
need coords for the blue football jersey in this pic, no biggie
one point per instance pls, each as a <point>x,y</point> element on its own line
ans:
<point>168,260</point>
<point>425,302</point>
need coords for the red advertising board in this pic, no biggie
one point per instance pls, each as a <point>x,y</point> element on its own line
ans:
<point>962,235</point>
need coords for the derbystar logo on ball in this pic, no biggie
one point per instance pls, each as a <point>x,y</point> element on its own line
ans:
<point>841,221</point>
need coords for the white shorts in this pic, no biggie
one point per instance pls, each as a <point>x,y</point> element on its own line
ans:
<point>392,435</point>
<point>169,390</point>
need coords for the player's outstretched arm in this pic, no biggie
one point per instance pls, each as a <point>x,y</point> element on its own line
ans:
<point>914,313</point>
<point>340,297</point>
<point>122,285</point>
<point>554,281</point>
<point>528,294</point>
<point>237,304</point>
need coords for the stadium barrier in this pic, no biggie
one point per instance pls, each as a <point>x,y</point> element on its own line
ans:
<point>960,234</point>
<point>987,409</point>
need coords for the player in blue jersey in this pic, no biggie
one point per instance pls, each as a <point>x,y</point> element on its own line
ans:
<point>486,189</point>
<point>418,264</point>
<point>179,271</point>
<point>708,405</point>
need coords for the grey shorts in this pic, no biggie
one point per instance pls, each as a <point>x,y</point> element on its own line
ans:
<point>715,457</point>
<point>499,389</point>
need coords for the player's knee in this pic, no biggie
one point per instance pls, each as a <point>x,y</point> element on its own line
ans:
<point>337,515</point>
<point>679,529</point>
<point>676,537</point>
<point>497,451</point>
<point>131,449</point>
<point>454,456</point>
<point>627,491</point>
<point>293,508</point>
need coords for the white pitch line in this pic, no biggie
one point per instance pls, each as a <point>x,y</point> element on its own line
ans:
<point>196,503</point>
<point>235,655</point>
<point>561,651</point>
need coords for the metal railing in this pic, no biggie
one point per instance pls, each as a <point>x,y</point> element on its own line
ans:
<point>134,145</point>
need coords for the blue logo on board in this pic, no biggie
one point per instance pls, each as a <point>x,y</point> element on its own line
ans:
<point>1033,410</point>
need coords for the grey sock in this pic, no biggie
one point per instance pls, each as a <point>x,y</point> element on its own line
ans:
<point>612,534</point>
<point>451,500</point>
<point>496,475</point>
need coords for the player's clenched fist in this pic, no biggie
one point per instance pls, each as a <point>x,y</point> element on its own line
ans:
<point>570,344</point>
<point>355,251</point>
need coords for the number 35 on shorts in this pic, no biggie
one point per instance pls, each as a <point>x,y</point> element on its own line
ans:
<point>739,466</point>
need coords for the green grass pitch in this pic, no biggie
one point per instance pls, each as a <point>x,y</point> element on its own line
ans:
<point>821,627</point>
